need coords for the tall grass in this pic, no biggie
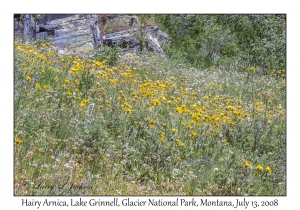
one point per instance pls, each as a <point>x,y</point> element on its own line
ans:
<point>146,126</point>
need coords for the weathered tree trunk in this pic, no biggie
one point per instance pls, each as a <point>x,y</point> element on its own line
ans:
<point>29,27</point>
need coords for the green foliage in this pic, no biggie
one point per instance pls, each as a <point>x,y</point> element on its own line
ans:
<point>250,40</point>
<point>146,19</point>
<point>141,39</point>
<point>108,54</point>
<point>198,37</point>
<point>261,39</point>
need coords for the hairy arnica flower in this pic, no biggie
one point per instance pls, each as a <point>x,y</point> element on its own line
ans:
<point>18,140</point>
<point>28,78</point>
<point>259,167</point>
<point>38,86</point>
<point>268,169</point>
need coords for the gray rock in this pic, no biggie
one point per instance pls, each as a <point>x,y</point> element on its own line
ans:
<point>120,23</point>
<point>130,42</point>
<point>49,17</point>
<point>121,33</point>
<point>153,45</point>
<point>77,32</point>
<point>42,28</point>
<point>45,35</point>
<point>126,40</point>
<point>159,35</point>
<point>81,32</point>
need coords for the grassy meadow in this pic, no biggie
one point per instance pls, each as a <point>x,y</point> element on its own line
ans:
<point>145,126</point>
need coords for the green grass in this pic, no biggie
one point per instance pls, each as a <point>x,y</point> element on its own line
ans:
<point>148,126</point>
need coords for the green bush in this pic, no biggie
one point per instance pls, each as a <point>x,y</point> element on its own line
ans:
<point>249,40</point>
<point>107,54</point>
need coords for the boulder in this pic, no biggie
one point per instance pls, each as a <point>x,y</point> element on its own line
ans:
<point>119,23</point>
<point>130,41</point>
<point>153,45</point>
<point>78,32</point>
<point>81,33</point>
<point>127,40</point>
<point>159,35</point>
<point>43,18</point>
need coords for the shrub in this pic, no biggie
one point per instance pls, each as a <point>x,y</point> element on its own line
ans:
<point>250,40</point>
<point>108,54</point>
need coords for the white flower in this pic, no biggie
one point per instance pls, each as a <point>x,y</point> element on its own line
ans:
<point>68,166</point>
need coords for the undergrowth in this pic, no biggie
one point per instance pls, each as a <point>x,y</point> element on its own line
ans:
<point>146,126</point>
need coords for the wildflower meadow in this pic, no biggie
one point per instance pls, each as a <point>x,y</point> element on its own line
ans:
<point>145,125</point>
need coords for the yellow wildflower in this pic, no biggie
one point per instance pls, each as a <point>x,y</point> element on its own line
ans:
<point>46,87</point>
<point>174,130</point>
<point>155,102</point>
<point>247,164</point>
<point>128,110</point>
<point>38,86</point>
<point>18,140</point>
<point>268,169</point>
<point>194,134</point>
<point>28,78</point>
<point>163,139</point>
<point>259,167</point>
<point>231,122</point>
<point>181,144</point>
<point>85,100</point>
